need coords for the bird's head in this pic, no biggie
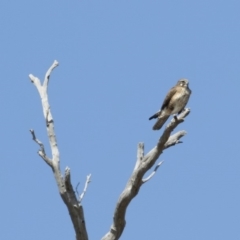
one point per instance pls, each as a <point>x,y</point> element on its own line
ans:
<point>183,82</point>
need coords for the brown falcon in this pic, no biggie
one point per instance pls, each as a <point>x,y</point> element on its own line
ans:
<point>174,102</point>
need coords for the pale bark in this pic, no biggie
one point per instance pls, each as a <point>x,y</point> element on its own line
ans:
<point>67,193</point>
<point>143,164</point>
<point>65,188</point>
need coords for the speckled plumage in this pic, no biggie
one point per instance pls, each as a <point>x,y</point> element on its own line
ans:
<point>174,102</point>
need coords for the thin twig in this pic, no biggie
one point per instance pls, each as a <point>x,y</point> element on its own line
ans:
<point>153,173</point>
<point>88,180</point>
<point>41,152</point>
<point>174,139</point>
<point>76,189</point>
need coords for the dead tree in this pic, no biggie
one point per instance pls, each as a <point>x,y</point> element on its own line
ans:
<point>72,199</point>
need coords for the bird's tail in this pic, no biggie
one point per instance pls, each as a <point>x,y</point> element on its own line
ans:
<point>160,121</point>
<point>154,116</point>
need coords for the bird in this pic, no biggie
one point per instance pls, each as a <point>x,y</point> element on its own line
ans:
<point>174,103</point>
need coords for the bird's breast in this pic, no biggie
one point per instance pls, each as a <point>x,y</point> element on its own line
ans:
<point>179,100</point>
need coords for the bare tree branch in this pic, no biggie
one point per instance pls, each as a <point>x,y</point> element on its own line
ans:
<point>64,183</point>
<point>143,164</point>
<point>174,139</point>
<point>140,154</point>
<point>48,73</point>
<point>153,173</point>
<point>41,152</point>
<point>136,180</point>
<point>88,180</point>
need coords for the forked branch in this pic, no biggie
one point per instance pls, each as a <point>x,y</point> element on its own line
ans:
<point>143,164</point>
<point>67,193</point>
<point>63,182</point>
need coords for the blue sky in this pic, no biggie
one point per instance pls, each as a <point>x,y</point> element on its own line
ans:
<point>117,61</point>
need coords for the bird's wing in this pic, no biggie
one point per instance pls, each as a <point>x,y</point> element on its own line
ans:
<point>167,99</point>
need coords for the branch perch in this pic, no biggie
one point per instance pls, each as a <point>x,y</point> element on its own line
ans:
<point>66,191</point>
<point>65,188</point>
<point>143,164</point>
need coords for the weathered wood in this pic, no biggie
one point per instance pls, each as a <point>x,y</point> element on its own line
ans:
<point>143,164</point>
<point>65,188</point>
